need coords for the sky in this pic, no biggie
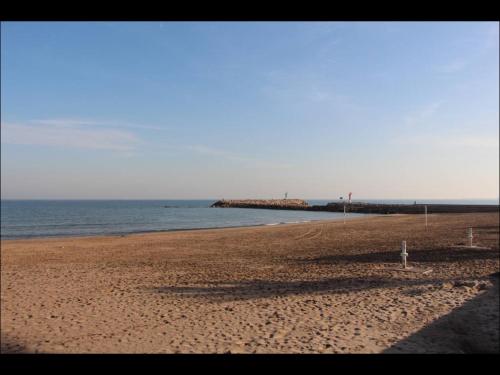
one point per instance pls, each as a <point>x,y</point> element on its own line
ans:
<point>187,110</point>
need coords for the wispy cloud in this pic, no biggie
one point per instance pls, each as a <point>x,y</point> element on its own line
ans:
<point>70,136</point>
<point>484,42</point>
<point>491,36</point>
<point>470,141</point>
<point>85,122</point>
<point>452,141</point>
<point>224,154</point>
<point>301,88</point>
<point>422,114</point>
<point>454,66</point>
<point>200,149</point>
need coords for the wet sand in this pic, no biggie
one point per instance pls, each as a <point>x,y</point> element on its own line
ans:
<point>321,287</point>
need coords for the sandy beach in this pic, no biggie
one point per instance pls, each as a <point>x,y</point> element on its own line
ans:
<point>320,287</point>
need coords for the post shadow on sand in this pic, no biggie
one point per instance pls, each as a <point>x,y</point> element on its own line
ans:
<point>470,328</point>
<point>253,289</point>
<point>10,345</point>
<point>486,228</point>
<point>434,255</point>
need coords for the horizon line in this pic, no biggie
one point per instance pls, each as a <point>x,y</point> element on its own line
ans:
<point>153,199</point>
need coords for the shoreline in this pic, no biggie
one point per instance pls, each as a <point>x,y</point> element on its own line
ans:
<point>127,234</point>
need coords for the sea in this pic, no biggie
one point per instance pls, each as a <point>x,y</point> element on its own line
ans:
<point>63,218</point>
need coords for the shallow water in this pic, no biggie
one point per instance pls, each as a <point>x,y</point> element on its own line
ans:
<point>44,218</point>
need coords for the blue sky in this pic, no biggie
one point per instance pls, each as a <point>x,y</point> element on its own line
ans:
<point>249,109</point>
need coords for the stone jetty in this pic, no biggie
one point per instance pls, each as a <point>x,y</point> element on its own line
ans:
<point>276,204</point>
<point>375,208</point>
<point>357,207</point>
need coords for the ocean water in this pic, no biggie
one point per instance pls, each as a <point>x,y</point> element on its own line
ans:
<point>48,218</point>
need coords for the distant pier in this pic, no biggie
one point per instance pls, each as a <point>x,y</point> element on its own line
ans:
<point>358,207</point>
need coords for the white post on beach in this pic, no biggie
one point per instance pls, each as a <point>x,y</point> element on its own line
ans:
<point>470,236</point>
<point>404,254</point>
<point>425,216</point>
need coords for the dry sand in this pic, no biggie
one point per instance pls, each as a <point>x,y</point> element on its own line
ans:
<point>323,287</point>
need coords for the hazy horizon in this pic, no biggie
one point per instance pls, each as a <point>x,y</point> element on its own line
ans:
<point>138,110</point>
<point>274,197</point>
